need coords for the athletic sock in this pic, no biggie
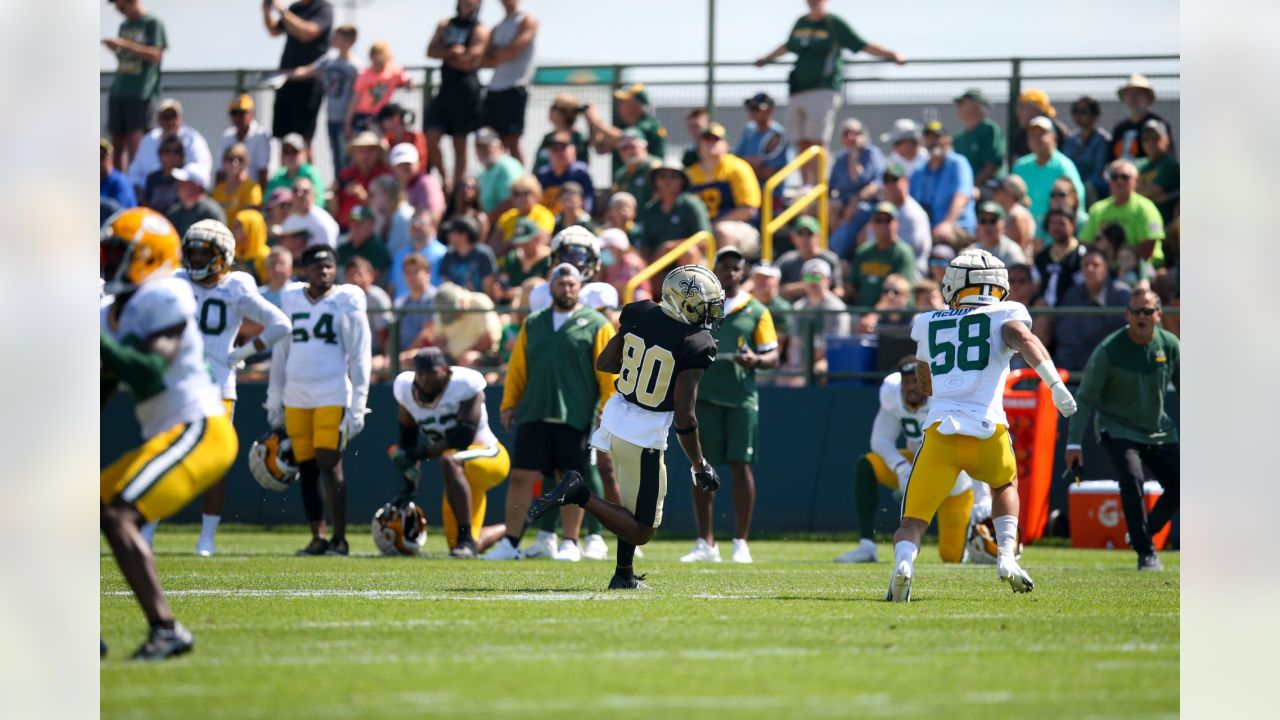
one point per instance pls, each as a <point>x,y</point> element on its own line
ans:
<point>514,540</point>
<point>209,525</point>
<point>309,482</point>
<point>464,533</point>
<point>1006,534</point>
<point>866,495</point>
<point>626,555</point>
<point>904,551</point>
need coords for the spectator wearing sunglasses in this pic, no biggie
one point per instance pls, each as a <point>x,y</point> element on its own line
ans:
<point>1077,335</point>
<point>194,148</point>
<point>884,254</point>
<point>891,307</point>
<point>1089,147</point>
<point>1143,226</point>
<point>320,225</point>
<point>160,189</point>
<point>1126,382</point>
<point>246,131</point>
<point>940,256</point>
<point>293,165</point>
<point>991,235</point>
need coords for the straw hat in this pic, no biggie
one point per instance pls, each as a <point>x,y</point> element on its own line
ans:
<point>1139,81</point>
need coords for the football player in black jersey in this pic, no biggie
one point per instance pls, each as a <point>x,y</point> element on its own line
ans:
<point>659,354</point>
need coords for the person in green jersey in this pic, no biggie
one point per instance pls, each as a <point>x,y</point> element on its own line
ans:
<point>1126,381</point>
<point>728,405</point>
<point>139,47</point>
<point>884,254</point>
<point>816,83</point>
<point>982,141</point>
<point>633,176</point>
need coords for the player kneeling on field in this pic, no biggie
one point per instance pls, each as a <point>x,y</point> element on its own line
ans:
<point>150,343</point>
<point>446,406</point>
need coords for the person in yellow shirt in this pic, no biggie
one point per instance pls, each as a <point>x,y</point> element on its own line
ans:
<point>525,192</point>
<point>725,182</point>
<point>237,191</point>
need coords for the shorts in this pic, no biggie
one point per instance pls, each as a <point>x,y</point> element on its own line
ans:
<point>454,112</point>
<point>504,110</point>
<point>296,108</point>
<point>642,478</point>
<point>727,434</point>
<point>811,114</point>
<point>482,473</point>
<point>942,457</point>
<point>166,472</point>
<point>126,114</point>
<point>549,447</point>
<point>310,429</point>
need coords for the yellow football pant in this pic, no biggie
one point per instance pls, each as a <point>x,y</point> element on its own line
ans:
<point>167,471</point>
<point>953,513</point>
<point>940,460</point>
<point>482,474</point>
<point>311,428</point>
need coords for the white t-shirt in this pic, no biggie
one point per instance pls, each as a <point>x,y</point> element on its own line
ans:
<point>219,312</point>
<point>464,384</point>
<point>195,150</point>
<point>189,394</point>
<point>894,420</point>
<point>969,363</point>
<point>325,360</point>
<point>257,141</point>
<point>598,295</point>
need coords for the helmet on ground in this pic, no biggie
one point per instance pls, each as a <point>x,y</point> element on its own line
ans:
<point>271,461</point>
<point>692,294</point>
<point>213,237</point>
<point>982,548</point>
<point>136,244</point>
<point>975,277</point>
<point>399,530</point>
<point>579,247</point>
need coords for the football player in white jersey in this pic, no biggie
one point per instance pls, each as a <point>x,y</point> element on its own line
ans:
<point>319,388</point>
<point>446,406</point>
<point>150,343</point>
<point>224,298</point>
<point>903,409</point>
<point>962,361</point>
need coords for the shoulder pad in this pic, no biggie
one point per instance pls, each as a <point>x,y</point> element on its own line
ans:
<point>402,387</point>
<point>473,379</point>
<point>351,298</point>
<point>891,393</point>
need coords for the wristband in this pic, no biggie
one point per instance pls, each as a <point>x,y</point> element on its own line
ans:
<point>686,431</point>
<point>1048,373</point>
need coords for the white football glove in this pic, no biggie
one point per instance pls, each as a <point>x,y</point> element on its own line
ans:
<point>275,416</point>
<point>1063,400</point>
<point>353,423</point>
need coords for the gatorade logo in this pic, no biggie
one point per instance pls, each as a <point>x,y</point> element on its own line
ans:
<point>1109,513</point>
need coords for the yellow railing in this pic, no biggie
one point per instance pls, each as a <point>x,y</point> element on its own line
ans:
<point>770,224</point>
<point>702,236</point>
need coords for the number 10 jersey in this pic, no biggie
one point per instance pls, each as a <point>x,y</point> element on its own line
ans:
<point>969,362</point>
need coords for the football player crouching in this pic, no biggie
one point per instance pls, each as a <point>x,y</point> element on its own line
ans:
<point>224,299</point>
<point>445,406</point>
<point>150,343</point>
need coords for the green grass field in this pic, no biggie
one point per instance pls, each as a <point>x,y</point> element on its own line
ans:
<point>793,635</point>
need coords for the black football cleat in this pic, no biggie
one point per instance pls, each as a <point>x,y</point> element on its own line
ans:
<point>465,550</point>
<point>1150,563</point>
<point>165,643</point>
<point>628,582</point>
<point>338,546</point>
<point>317,546</point>
<point>102,648</point>
<point>570,486</point>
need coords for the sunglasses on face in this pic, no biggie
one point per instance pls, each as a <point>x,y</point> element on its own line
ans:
<point>988,221</point>
<point>558,147</point>
<point>237,112</point>
<point>302,191</point>
<point>171,151</point>
<point>939,262</point>
<point>521,193</point>
<point>882,220</point>
<point>814,278</point>
<point>1057,193</point>
<point>893,291</point>
<point>167,117</point>
<point>1146,312</point>
<point>1121,178</point>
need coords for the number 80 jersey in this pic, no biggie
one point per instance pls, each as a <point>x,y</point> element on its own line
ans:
<point>969,362</point>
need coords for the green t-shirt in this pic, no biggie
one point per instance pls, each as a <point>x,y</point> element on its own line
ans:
<point>135,78</point>
<point>1166,175</point>
<point>543,159</point>
<point>510,267</point>
<point>654,134</point>
<point>495,181</point>
<point>282,179</point>
<point>726,382</point>
<point>1139,217</point>
<point>1126,383</point>
<point>818,46</point>
<point>872,265</point>
<point>635,180</point>
<point>655,226</point>
<point>372,250</point>
<point>981,145</point>
<point>690,156</point>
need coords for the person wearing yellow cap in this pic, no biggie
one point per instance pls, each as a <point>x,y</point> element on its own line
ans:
<point>246,131</point>
<point>1034,103</point>
<point>632,111</point>
<point>725,182</point>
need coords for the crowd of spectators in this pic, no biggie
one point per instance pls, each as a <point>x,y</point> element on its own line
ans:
<point>1082,217</point>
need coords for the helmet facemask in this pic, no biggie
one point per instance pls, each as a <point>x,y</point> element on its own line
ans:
<point>579,256</point>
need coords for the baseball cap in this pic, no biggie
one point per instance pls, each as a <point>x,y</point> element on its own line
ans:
<point>635,92</point>
<point>816,266</point>
<point>390,110</point>
<point>243,102</point>
<point>895,170</point>
<point>404,153</point>
<point>935,127</point>
<point>946,253</point>
<point>903,129</point>
<point>853,125</point>
<point>1156,126</point>
<point>766,270</point>
<point>991,208</point>
<point>760,99</point>
<point>715,130</point>
<point>169,104</point>
<point>292,225</point>
<point>104,145</point>
<point>1039,98</point>
<point>560,137</point>
<point>974,94</point>
<point>728,250</point>
<point>526,229</point>
<point>295,141</point>
<point>615,238</point>
<point>634,134</point>
<point>806,223</point>
<point>884,207</point>
<point>360,212</point>
<point>487,136</point>
<point>192,173</point>
<point>279,195</point>
<point>1040,122</point>
<point>562,270</point>
<point>429,358</point>
<point>365,138</point>
<point>571,188</point>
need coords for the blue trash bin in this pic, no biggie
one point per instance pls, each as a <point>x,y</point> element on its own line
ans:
<point>854,353</point>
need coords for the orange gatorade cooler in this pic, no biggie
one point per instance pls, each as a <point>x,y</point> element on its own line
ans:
<point>1033,426</point>
<point>1097,518</point>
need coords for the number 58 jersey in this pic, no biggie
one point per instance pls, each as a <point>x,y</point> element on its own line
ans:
<point>969,361</point>
<point>327,335</point>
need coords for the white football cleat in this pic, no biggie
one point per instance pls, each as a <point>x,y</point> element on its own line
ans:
<point>594,548</point>
<point>900,585</point>
<point>702,552</point>
<point>864,553</point>
<point>569,551</point>
<point>1008,570</point>
<point>204,547</point>
<point>503,550</point>
<point>543,547</point>
<point>741,553</point>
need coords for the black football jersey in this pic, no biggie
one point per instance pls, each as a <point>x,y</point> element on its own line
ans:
<point>655,349</point>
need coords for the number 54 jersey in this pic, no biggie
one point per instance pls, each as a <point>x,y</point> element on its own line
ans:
<point>328,336</point>
<point>969,361</point>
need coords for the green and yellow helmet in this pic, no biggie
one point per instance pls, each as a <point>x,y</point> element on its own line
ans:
<point>692,294</point>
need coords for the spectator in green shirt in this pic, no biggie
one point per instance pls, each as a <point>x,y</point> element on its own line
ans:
<point>982,141</point>
<point>564,112</point>
<point>816,83</point>
<point>360,241</point>
<point>500,170</point>
<point>293,164</point>
<point>631,111</point>
<point>1158,172</point>
<point>1138,216</point>
<point>139,47</point>
<point>1126,381</point>
<point>671,214</point>
<point>633,176</point>
<point>877,259</point>
<point>529,257</point>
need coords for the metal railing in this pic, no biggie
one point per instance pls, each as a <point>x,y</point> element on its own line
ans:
<point>657,266</point>
<point>818,193</point>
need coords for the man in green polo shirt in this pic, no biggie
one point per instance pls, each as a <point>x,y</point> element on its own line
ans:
<point>672,213</point>
<point>550,398</point>
<point>633,176</point>
<point>880,257</point>
<point>631,111</point>
<point>728,405</point>
<point>982,141</point>
<point>1126,380</point>
<point>1138,216</point>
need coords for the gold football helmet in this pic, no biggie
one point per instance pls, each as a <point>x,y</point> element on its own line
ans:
<point>208,249</point>
<point>136,244</point>
<point>692,294</point>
